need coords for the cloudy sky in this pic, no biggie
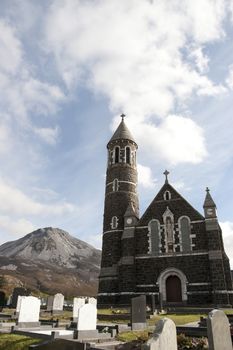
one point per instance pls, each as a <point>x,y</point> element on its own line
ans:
<point>69,68</point>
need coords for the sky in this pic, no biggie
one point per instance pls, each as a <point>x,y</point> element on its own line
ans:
<point>69,68</point>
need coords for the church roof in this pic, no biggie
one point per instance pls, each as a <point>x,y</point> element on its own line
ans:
<point>209,202</point>
<point>122,132</point>
<point>177,204</point>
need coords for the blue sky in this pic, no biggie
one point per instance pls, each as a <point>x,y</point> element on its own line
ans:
<point>68,69</point>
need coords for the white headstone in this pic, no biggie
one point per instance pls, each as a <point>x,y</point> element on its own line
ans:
<point>19,299</point>
<point>58,302</point>
<point>218,330</point>
<point>29,310</point>
<point>77,303</point>
<point>92,301</point>
<point>87,318</point>
<point>164,336</point>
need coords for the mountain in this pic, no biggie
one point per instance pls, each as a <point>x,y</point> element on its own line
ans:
<point>50,260</point>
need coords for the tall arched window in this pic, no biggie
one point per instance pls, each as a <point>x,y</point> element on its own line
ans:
<point>117,155</point>
<point>127,155</point>
<point>114,222</point>
<point>154,237</point>
<point>185,229</point>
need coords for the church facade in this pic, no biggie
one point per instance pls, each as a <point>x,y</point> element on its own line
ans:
<point>171,252</point>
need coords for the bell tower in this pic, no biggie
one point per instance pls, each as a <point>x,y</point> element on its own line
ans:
<point>120,193</point>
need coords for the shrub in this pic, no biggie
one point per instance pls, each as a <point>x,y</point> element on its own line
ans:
<point>189,343</point>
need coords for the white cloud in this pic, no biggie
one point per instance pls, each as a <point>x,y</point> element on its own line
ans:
<point>227,231</point>
<point>49,135</point>
<point>176,139</point>
<point>22,93</point>
<point>145,177</point>
<point>229,80</point>
<point>17,227</point>
<point>16,202</point>
<point>127,51</point>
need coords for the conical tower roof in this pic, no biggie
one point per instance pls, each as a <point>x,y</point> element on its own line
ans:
<point>209,202</point>
<point>122,132</point>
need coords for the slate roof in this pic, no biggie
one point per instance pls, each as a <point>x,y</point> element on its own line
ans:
<point>209,202</point>
<point>122,132</point>
<point>177,204</point>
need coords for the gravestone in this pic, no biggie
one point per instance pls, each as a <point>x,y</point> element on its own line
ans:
<point>77,303</point>
<point>16,292</point>
<point>50,303</point>
<point>86,323</point>
<point>218,330</point>
<point>8,303</point>
<point>58,302</point>
<point>92,301</point>
<point>29,312</point>
<point>138,312</point>
<point>164,336</point>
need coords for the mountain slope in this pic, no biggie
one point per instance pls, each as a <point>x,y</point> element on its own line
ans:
<point>51,260</point>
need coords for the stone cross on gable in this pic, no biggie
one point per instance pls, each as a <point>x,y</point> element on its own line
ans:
<point>166,176</point>
<point>122,116</point>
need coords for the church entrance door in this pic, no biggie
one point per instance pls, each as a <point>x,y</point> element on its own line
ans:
<point>173,289</point>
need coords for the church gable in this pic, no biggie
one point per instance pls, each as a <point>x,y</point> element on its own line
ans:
<point>169,199</point>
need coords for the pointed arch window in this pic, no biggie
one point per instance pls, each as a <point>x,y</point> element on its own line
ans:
<point>154,236</point>
<point>167,195</point>
<point>117,155</point>
<point>128,155</point>
<point>185,230</point>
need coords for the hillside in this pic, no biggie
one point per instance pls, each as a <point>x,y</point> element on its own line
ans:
<point>50,260</point>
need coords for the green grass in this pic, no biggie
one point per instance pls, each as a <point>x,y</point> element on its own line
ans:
<point>16,342</point>
<point>177,318</point>
<point>113,311</point>
<point>133,335</point>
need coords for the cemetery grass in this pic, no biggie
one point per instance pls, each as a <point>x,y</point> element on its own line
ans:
<point>16,342</point>
<point>179,319</point>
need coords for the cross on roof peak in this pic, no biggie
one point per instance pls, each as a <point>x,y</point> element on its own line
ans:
<point>207,189</point>
<point>122,116</point>
<point>166,173</point>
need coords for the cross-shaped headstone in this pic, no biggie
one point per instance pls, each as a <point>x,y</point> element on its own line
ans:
<point>166,176</point>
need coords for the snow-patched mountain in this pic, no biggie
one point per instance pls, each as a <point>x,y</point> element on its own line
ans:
<point>51,260</point>
<point>52,245</point>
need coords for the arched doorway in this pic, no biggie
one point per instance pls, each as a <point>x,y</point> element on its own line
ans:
<point>172,284</point>
<point>173,289</point>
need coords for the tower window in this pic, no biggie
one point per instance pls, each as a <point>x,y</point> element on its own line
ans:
<point>117,155</point>
<point>167,195</point>
<point>114,222</point>
<point>115,185</point>
<point>127,151</point>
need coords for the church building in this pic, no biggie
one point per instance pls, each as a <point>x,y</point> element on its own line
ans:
<point>171,252</point>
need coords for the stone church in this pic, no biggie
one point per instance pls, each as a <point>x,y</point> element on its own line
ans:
<point>171,252</point>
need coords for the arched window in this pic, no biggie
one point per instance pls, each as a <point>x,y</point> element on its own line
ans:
<point>154,236</point>
<point>114,222</point>
<point>127,155</point>
<point>117,155</point>
<point>115,185</point>
<point>185,229</point>
<point>167,195</point>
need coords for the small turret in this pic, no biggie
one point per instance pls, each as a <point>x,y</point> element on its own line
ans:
<point>209,206</point>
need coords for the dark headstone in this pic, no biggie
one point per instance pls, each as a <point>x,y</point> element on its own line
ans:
<point>16,292</point>
<point>138,312</point>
